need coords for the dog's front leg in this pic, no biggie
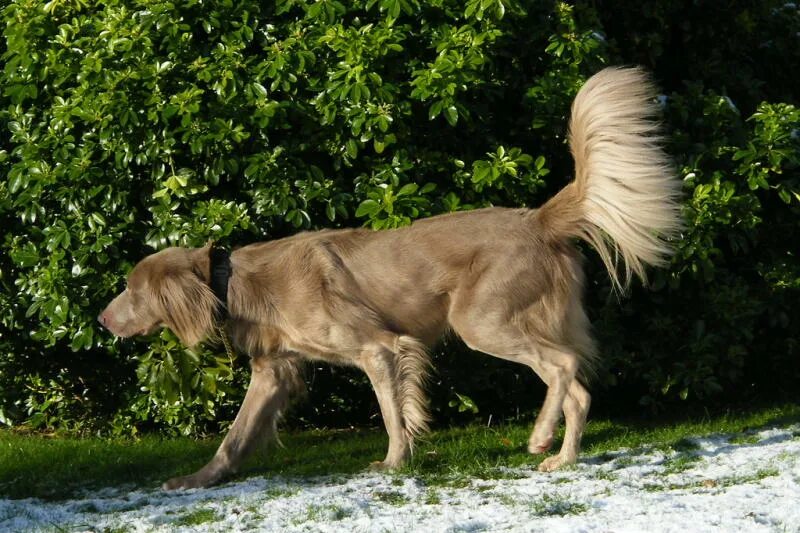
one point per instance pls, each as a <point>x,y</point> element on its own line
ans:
<point>271,383</point>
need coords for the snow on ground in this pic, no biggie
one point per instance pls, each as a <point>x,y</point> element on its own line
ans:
<point>744,483</point>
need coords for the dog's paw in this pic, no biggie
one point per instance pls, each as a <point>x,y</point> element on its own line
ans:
<point>193,481</point>
<point>383,466</point>
<point>540,446</point>
<point>555,462</point>
<point>182,482</point>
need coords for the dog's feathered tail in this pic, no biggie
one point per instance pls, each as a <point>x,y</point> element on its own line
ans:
<point>623,200</point>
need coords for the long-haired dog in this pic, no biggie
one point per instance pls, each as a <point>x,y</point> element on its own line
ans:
<point>507,281</point>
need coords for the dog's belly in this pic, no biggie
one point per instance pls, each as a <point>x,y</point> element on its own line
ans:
<point>417,313</point>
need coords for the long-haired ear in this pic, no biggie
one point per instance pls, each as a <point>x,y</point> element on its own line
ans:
<point>201,261</point>
<point>188,306</point>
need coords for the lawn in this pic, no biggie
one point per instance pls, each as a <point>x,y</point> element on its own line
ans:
<point>56,467</point>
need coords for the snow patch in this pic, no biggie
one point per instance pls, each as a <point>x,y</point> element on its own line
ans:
<point>718,483</point>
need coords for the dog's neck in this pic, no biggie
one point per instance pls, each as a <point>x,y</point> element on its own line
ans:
<point>220,273</point>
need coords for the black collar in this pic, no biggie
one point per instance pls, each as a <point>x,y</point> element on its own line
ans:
<point>220,274</point>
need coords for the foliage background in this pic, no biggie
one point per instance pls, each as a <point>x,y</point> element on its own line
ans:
<point>129,126</point>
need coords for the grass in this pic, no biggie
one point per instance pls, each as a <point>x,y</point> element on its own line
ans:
<point>744,439</point>
<point>59,467</point>
<point>680,463</point>
<point>549,505</point>
<point>432,497</point>
<point>719,483</point>
<point>315,513</point>
<point>274,493</point>
<point>197,517</point>
<point>391,497</point>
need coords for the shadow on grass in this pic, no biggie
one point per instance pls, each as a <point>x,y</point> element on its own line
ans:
<point>58,468</point>
<point>36,466</point>
<point>672,432</point>
<point>319,453</point>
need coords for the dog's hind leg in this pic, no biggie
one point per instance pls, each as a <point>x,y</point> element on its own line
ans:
<point>556,365</point>
<point>271,384</point>
<point>577,401</point>
<point>576,408</point>
<point>557,368</point>
<point>397,371</point>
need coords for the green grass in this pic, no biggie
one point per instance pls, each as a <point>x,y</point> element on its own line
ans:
<point>432,497</point>
<point>273,493</point>
<point>679,463</point>
<point>549,505</point>
<point>197,517</point>
<point>391,497</point>
<point>744,439</point>
<point>729,481</point>
<point>33,465</point>
<point>315,513</point>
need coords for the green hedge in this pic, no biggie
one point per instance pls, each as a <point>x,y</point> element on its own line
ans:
<point>131,126</point>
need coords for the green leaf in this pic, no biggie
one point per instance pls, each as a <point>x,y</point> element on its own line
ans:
<point>407,189</point>
<point>367,207</point>
<point>260,89</point>
<point>352,148</point>
<point>25,257</point>
<point>451,115</point>
<point>480,171</point>
<point>82,340</point>
<point>435,109</point>
<point>16,183</point>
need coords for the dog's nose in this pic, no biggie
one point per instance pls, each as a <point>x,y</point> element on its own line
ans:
<point>102,319</point>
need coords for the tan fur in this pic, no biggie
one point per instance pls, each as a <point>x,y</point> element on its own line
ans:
<point>411,372</point>
<point>507,281</point>
<point>620,201</point>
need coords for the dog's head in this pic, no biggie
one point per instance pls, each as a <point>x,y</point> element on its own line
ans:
<point>169,288</point>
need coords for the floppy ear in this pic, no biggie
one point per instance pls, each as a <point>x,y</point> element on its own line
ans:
<point>188,305</point>
<point>200,259</point>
